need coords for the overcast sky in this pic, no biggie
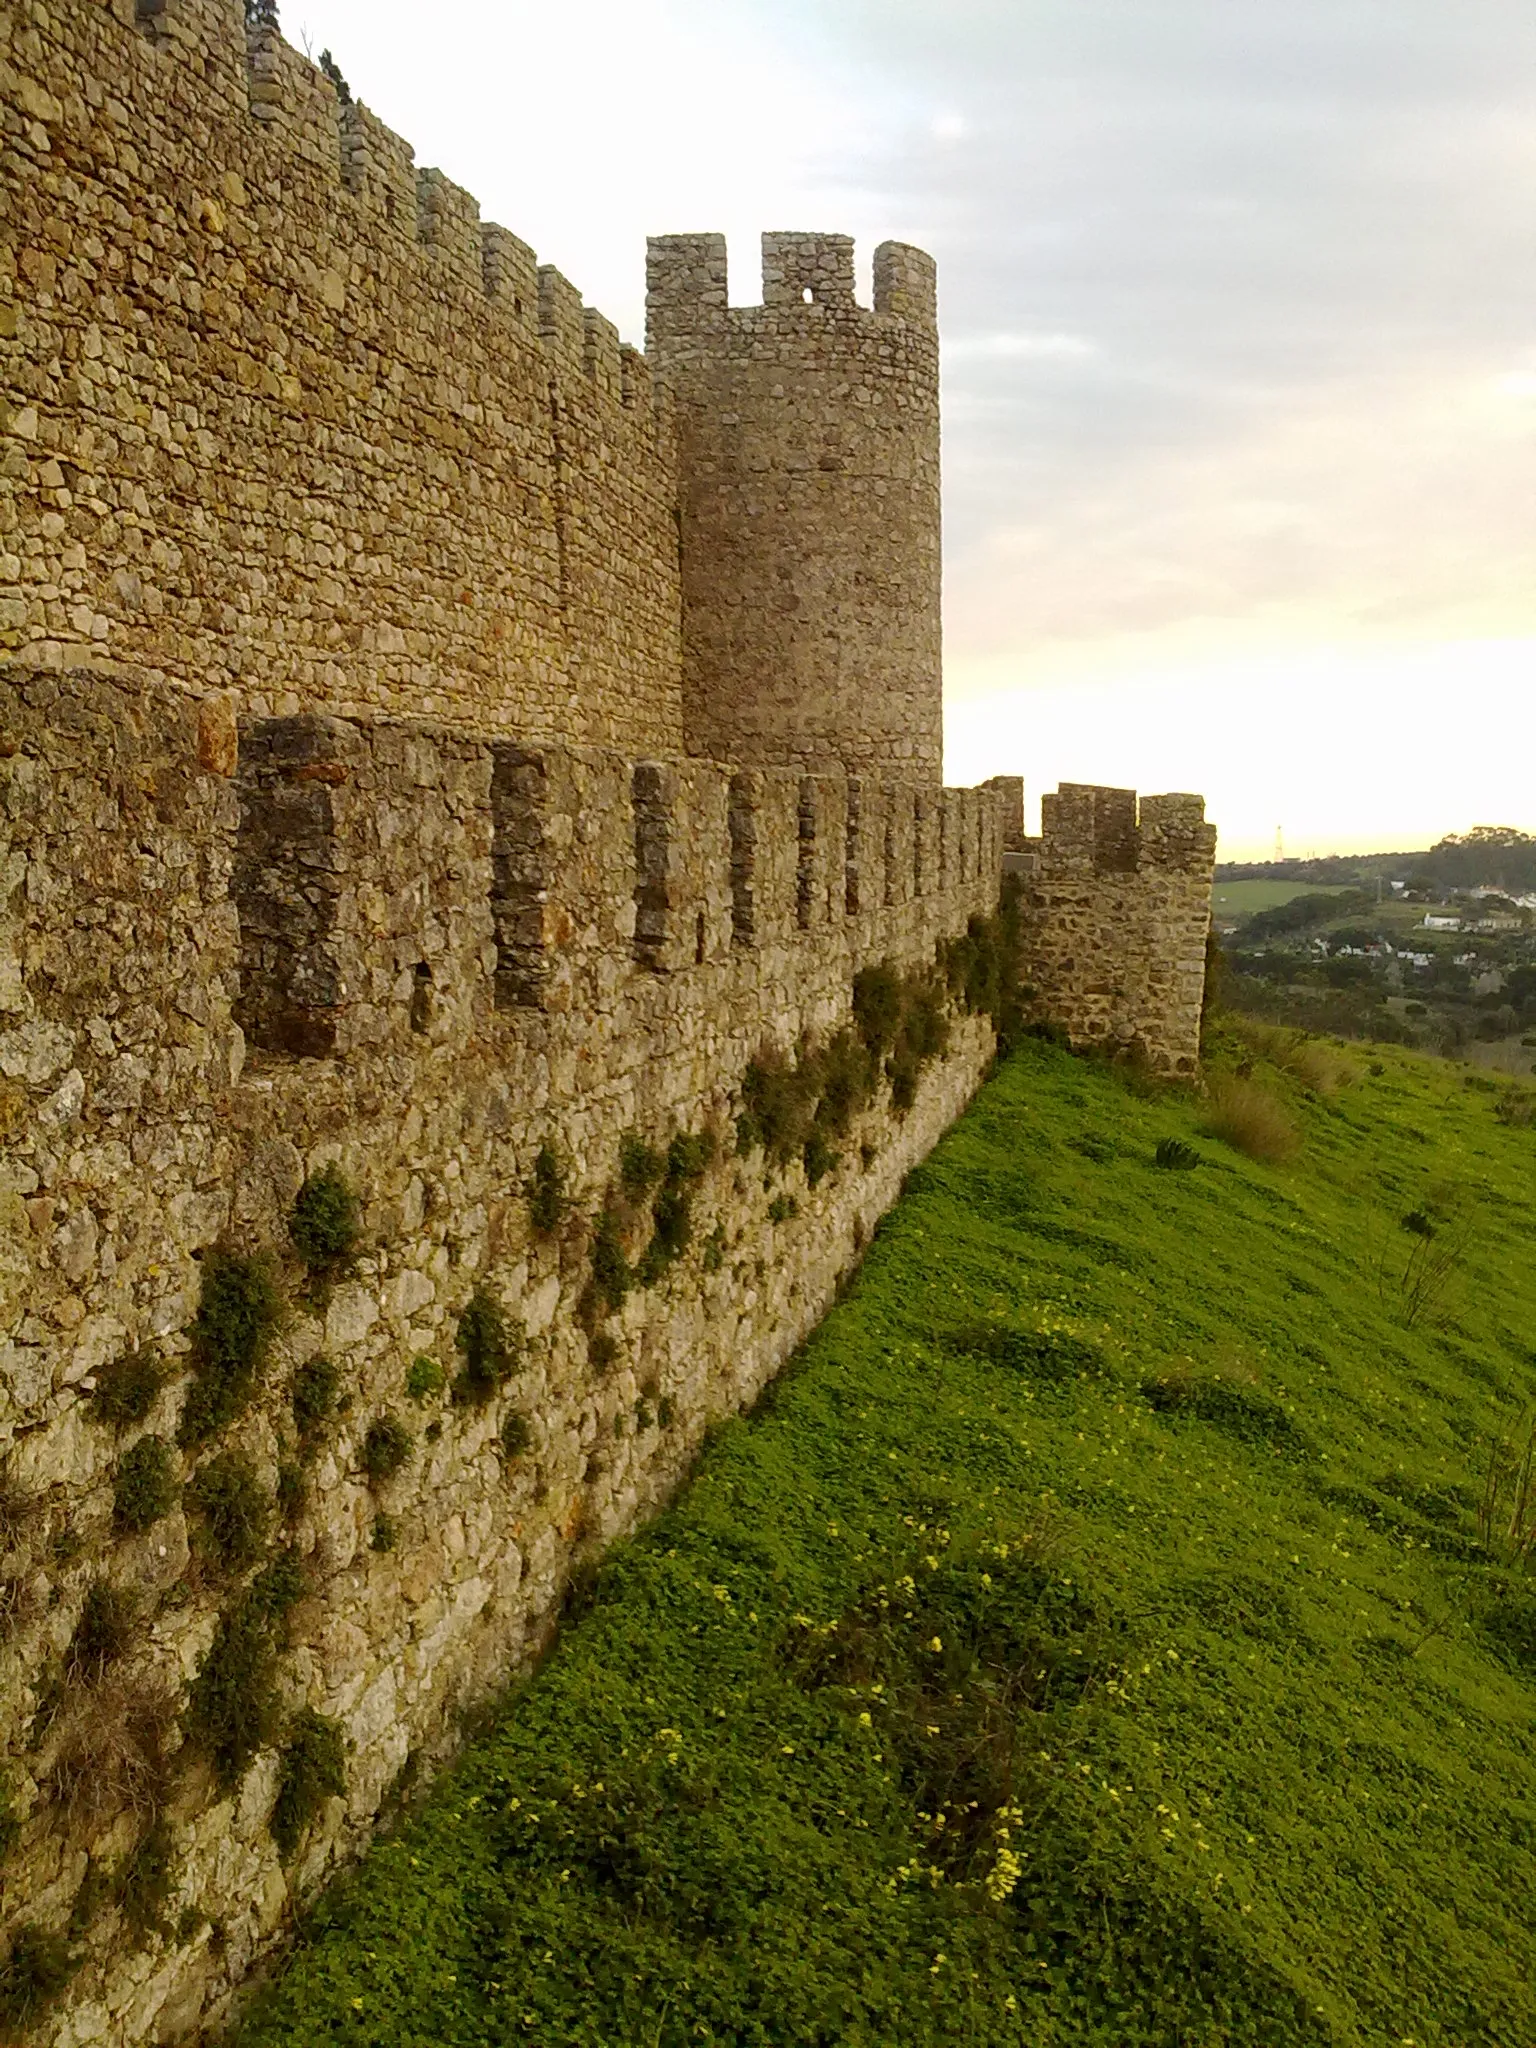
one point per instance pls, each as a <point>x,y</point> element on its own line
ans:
<point>1238,303</point>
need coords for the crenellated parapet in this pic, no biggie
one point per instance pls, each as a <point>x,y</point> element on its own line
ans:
<point>1117,907</point>
<point>285,415</point>
<point>241,951</point>
<point>809,471</point>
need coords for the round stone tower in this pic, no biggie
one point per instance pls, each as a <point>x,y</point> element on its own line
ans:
<point>808,448</point>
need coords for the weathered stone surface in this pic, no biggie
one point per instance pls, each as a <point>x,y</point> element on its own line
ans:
<point>435,1097</point>
<point>1117,907</point>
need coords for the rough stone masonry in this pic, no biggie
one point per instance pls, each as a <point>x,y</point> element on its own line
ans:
<point>452,761</point>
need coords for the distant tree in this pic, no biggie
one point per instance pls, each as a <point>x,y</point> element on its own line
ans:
<point>1489,856</point>
<point>1302,913</point>
<point>261,14</point>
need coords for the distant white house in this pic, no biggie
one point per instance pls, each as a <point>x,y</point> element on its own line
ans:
<point>1432,923</point>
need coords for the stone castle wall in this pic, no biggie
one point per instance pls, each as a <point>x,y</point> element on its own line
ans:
<point>428,747</point>
<point>284,415</point>
<point>1117,904</point>
<point>426,955</point>
<point>810,528</point>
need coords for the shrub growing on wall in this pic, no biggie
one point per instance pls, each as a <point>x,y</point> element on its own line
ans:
<point>313,1395</point>
<point>236,1315</point>
<point>324,1221</point>
<point>233,1704</point>
<point>125,1389</point>
<point>36,1969</point>
<point>612,1274</point>
<point>547,1199</point>
<point>386,1447</point>
<point>144,1487</point>
<point>234,1505</point>
<point>490,1346</point>
<point>102,1633</point>
<point>313,1769</point>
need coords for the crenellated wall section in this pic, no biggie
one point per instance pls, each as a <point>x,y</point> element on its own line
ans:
<point>238,950</point>
<point>1117,904</point>
<point>283,415</point>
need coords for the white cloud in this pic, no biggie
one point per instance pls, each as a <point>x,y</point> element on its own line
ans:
<point>1013,347</point>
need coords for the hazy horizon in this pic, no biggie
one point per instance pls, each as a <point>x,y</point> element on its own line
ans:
<point>1239,344</point>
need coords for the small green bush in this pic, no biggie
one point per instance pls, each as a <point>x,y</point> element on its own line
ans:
<point>516,1434</point>
<point>666,1412</point>
<point>612,1274</point>
<point>714,1249</point>
<point>671,1223</point>
<point>10,1819</point>
<point>145,1485</point>
<point>1174,1154</point>
<point>782,1208</point>
<point>324,1221</point>
<point>490,1346</point>
<point>425,1377</point>
<point>313,1769</point>
<point>690,1155</point>
<point>385,1533</point>
<point>547,1198</point>
<point>230,1498</point>
<point>819,1159</point>
<point>292,1490</point>
<point>236,1316</point>
<point>877,1006</point>
<point>902,1071</point>
<point>36,1970</point>
<point>233,1704</point>
<point>148,1879</point>
<point>102,1633</point>
<point>602,1350</point>
<point>386,1447</point>
<point>846,1075</point>
<point>125,1390</point>
<point>315,1387</point>
<point>777,1099</point>
<point>640,1165</point>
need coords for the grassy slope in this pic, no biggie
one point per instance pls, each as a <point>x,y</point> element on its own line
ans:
<point>1254,1708</point>
<point>1242,899</point>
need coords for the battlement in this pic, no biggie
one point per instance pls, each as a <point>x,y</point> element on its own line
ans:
<point>1118,900</point>
<point>807,277</point>
<point>1086,827</point>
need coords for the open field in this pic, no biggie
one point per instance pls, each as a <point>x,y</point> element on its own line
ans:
<point>1242,899</point>
<point>1095,1641</point>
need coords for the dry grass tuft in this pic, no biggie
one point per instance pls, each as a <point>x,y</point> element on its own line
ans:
<point>1248,1118</point>
<point>114,1751</point>
<point>20,1603</point>
<point>1317,1065</point>
<point>20,1508</point>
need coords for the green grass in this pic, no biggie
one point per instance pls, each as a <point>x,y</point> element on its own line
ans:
<point>1244,899</point>
<point>1089,1641</point>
